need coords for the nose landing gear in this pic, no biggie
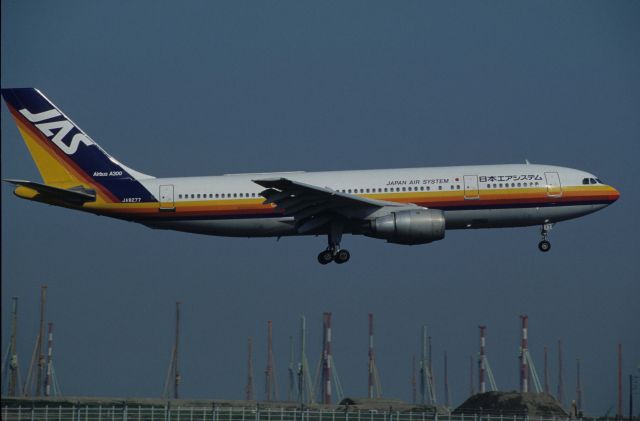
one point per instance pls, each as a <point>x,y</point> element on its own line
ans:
<point>545,245</point>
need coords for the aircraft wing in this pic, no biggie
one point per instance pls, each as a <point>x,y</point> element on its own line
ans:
<point>313,206</point>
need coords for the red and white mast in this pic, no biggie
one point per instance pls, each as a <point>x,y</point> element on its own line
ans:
<point>524,369</point>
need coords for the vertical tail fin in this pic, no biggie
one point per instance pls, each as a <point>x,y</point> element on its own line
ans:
<point>65,155</point>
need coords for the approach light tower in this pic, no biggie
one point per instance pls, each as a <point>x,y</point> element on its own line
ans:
<point>374,378</point>
<point>524,369</point>
<point>11,367</point>
<point>271,387</point>
<point>329,374</point>
<point>484,369</point>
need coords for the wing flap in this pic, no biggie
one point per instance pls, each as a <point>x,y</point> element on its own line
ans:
<point>312,206</point>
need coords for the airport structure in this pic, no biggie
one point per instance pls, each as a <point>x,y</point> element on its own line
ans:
<point>427,385</point>
<point>305,385</point>
<point>484,369</point>
<point>249,393</point>
<point>301,390</point>
<point>374,390</point>
<point>271,386</point>
<point>173,376</point>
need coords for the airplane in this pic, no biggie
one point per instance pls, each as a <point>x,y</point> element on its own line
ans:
<point>407,206</point>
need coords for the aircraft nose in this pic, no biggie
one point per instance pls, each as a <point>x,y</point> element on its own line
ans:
<point>613,194</point>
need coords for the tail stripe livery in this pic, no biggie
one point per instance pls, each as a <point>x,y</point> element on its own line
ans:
<point>66,156</point>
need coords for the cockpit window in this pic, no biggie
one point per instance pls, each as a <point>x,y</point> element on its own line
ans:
<point>585,181</point>
<point>593,181</point>
<point>599,181</point>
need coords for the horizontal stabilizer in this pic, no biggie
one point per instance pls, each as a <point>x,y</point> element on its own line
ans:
<point>75,195</point>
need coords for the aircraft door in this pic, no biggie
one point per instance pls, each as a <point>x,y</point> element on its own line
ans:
<point>554,188</point>
<point>166,198</point>
<point>471,190</point>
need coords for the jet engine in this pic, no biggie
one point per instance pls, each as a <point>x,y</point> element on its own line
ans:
<point>419,226</point>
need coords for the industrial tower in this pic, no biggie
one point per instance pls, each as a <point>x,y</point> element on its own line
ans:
<point>292,372</point>
<point>10,366</point>
<point>526,362</point>
<point>578,387</point>
<point>34,382</point>
<point>51,386</point>
<point>271,385</point>
<point>305,386</point>
<point>373,388</point>
<point>484,369</point>
<point>546,372</point>
<point>173,372</point>
<point>329,373</point>
<point>250,386</point>
<point>560,396</point>
<point>427,385</point>
<point>447,393</point>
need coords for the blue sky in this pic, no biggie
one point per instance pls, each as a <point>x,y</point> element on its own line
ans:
<point>205,88</point>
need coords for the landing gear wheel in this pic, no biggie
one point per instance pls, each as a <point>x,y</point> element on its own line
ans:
<point>325,257</point>
<point>544,246</point>
<point>342,256</point>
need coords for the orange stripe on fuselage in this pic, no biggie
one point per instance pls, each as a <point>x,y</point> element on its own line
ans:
<point>437,199</point>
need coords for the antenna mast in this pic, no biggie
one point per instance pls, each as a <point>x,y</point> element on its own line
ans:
<point>248,389</point>
<point>305,388</point>
<point>447,394</point>
<point>578,387</point>
<point>329,372</point>
<point>271,387</point>
<point>560,375</point>
<point>33,385</point>
<point>546,372</point>
<point>374,379</point>
<point>524,369</point>
<point>292,376</point>
<point>173,372</point>
<point>10,364</point>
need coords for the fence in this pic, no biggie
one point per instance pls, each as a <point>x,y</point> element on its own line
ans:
<point>199,413</point>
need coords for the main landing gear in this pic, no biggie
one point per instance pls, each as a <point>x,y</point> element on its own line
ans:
<point>545,245</point>
<point>334,253</point>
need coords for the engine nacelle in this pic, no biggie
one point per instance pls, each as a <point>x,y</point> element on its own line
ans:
<point>419,226</point>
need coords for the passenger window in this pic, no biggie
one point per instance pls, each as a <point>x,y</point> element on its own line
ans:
<point>439,187</point>
<point>386,189</point>
<point>421,188</point>
<point>193,196</point>
<point>217,195</point>
<point>519,185</point>
<point>179,196</point>
<point>513,184</point>
<point>397,189</point>
<point>458,186</point>
<point>428,188</point>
